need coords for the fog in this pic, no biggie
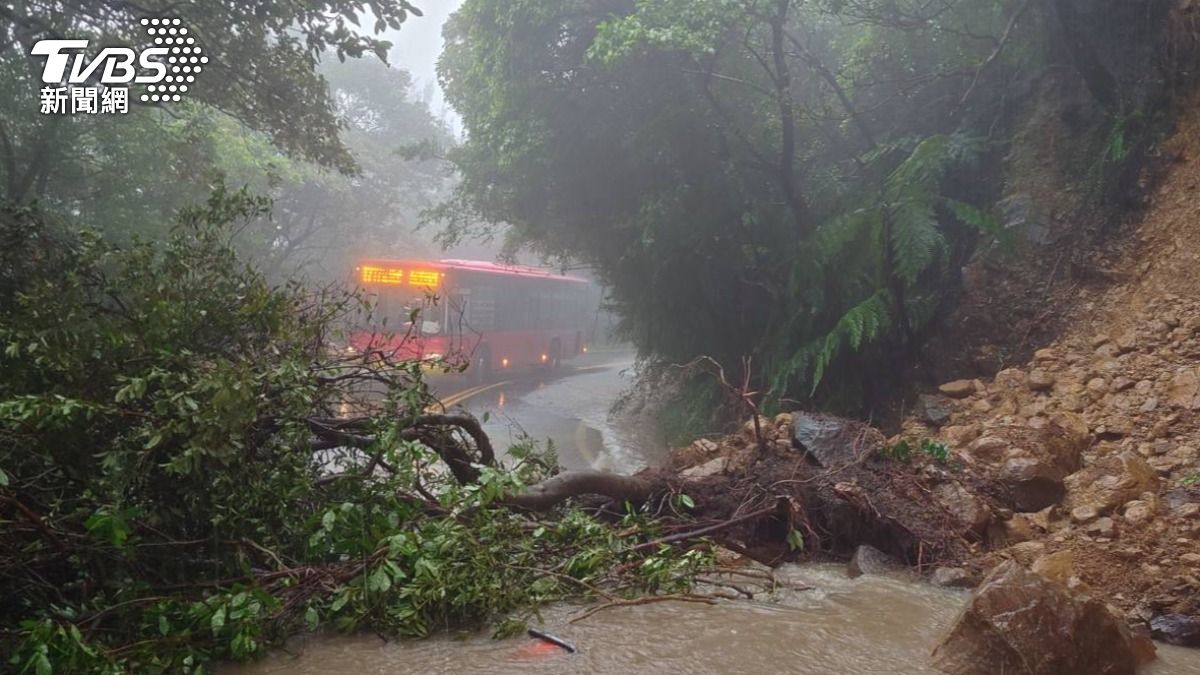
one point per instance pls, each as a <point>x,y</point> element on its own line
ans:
<point>416,47</point>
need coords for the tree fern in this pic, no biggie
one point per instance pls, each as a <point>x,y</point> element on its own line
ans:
<point>862,323</point>
<point>900,218</point>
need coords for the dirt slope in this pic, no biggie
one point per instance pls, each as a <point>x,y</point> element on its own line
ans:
<point>1124,378</point>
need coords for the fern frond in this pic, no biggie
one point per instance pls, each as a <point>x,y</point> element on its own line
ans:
<point>862,323</point>
<point>916,240</point>
<point>834,235</point>
<point>984,221</point>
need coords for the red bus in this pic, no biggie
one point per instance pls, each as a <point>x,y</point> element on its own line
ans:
<point>482,315</point>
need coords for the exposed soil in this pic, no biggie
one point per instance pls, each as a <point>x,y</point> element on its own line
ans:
<point>1090,444</point>
<point>1126,368</point>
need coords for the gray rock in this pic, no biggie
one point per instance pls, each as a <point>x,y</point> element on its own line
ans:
<point>870,560</point>
<point>833,441</point>
<point>934,409</point>
<point>1021,215</point>
<point>1176,629</point>
<point>952,577</point>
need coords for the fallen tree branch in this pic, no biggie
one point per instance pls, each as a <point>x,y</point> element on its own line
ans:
<point>694,534</point>
<point>468,423</point>
<point>549,493</point>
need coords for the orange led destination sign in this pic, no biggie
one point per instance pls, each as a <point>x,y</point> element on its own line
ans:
<point>423,278</point>
<point>374,274</point>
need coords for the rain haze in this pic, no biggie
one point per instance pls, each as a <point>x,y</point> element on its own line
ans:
<point>832,337</point>
<point>416,48</point>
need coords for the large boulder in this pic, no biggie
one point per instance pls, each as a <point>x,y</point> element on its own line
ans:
<point>834,441</point>
<point>1110,482</point>
<point>1021,623</point>
<point>1032,463</point>
<point>958,389</point>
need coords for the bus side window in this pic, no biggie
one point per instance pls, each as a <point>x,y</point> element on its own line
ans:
<point>481,310</point>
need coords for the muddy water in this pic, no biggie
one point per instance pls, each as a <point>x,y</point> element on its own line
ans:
<point>870,625</point>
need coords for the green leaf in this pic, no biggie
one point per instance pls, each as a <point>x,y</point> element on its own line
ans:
<point>42,664</point>
<point>379,581</point>
<point>218,620</point>
<point>312,618</point>
<point>687,501</point>
<point>340,601</point>
<point>795,540</point>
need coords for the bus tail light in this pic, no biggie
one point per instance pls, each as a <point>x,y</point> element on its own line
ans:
<point>503,363</point>
<point>545,358</point>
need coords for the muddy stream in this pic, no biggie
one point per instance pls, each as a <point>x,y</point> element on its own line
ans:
<point>840,626</point>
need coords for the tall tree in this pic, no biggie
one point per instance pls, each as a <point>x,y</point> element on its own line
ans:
<point>764,177</point>
<point>263,72</point>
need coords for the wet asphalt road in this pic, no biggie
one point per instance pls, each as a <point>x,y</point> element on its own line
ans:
<point>569,408</point>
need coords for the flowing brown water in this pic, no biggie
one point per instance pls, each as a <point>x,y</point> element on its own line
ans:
<point>869,625</point>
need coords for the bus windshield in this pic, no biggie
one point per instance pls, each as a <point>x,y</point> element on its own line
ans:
<point>418,314</point>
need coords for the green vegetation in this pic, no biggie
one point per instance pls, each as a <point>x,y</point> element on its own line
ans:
<point>177,484</point>
<point>192,468</point>
<point>902,451</point>
<point>296,116</point>
<point>778,179</point>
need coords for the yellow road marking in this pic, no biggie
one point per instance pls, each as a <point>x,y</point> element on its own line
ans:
<point>471,393</point>
<point>464,394</point>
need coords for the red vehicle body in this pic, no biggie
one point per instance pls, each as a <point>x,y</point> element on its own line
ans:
<point>486,316</point>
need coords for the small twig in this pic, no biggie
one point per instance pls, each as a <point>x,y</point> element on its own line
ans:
<point>689,597</point>
<point>37,522</point>
<point>559,575</point>
<point>693,534</point>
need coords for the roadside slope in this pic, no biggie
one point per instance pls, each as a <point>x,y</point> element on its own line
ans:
<point>1124,378</point>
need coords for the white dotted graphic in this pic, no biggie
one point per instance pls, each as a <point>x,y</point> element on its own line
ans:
<point>167,32</point>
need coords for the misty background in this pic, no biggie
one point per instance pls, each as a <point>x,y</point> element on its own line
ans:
<point>416,47</point>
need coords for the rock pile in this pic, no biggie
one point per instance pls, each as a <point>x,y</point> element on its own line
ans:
<point>1092,448</point>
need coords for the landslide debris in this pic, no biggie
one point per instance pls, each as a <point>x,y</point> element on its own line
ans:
<point>1089,451</point>
<point>1092,446</point>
